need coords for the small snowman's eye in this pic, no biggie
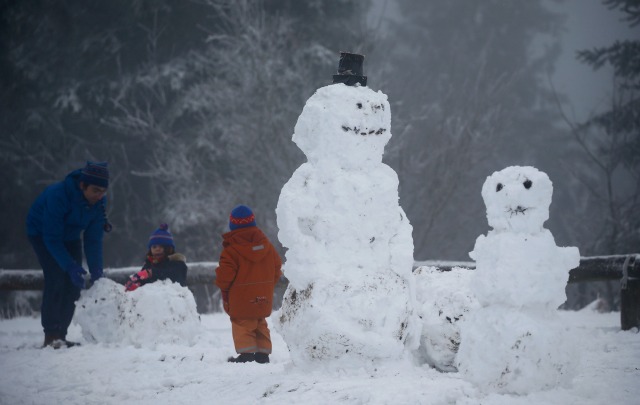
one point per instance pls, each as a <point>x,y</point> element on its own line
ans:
<point>499,187</point>
<point>527,184</point>
<point>359,105</point>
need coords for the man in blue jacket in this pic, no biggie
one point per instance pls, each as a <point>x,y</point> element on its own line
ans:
<point>55,223</point>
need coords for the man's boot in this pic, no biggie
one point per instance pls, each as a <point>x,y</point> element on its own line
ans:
<point>262,358</point>
<point>68,343</point>
<point>52,340</point>
<point>242,358</point>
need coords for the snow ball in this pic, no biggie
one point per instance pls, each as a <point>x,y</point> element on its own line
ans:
<point>517,199</point>
<point>522,270</point>
<point>444,299</point>
<point>158,313</point>
<point>516,352</point>
<point>344,123</point>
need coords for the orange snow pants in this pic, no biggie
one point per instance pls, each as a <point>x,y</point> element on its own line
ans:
<point>251,335</point>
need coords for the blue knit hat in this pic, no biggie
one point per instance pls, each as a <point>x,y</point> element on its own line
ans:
<point>96,173</point>
<point>241,217</point>
<point>161,236</point>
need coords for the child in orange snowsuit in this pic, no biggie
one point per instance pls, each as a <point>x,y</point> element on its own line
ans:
<point>248,271</point>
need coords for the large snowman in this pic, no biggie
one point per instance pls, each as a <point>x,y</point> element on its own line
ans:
<point>514,341</point>
<point>350,251</point>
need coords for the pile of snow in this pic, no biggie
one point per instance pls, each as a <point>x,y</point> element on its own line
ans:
<point>351,294</point>
<point>444,300</point>
<point>515,341</point>
<point>160,312</point>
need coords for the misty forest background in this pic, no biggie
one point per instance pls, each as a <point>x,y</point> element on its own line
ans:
<point>193,104</point>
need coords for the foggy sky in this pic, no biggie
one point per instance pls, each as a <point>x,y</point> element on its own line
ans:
<point>589,24</point>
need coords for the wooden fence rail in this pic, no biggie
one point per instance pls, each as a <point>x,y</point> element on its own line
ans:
<point>625,268</point>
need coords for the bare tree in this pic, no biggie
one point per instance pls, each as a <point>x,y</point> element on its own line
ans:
<point>467,99</point>
<point>609,143</point>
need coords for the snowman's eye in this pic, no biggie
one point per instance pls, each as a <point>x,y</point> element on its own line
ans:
<point>527,184</point>
<point>499,187</point>
<point>359,105</point>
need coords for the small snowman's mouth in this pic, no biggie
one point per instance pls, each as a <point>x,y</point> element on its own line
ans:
<point>517,210</point>
<point>364,131</point>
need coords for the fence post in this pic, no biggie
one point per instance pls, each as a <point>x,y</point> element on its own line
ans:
<point>629,296</point>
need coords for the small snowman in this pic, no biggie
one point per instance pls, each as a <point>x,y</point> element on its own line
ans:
<point>514,341</point>
<point>350,251</point>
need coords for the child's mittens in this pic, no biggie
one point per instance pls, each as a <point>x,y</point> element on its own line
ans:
<point>131,285</point>
<point>144,274</point>
<point>225,300</point>
<point>135,280</point>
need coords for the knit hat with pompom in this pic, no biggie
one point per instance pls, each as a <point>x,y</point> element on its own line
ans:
<point>96,173</point>
<point>241,217</point>
<point>161,236</point>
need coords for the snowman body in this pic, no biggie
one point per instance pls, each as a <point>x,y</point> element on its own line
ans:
<point>514,340</point>
<point>349,246</point>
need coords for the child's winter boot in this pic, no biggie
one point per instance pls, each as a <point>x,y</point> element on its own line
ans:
<point>242,358</point>
<point>262,358</point>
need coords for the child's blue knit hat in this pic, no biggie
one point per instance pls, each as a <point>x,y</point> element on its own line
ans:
<point>241,217</point>
<point>161,236</point>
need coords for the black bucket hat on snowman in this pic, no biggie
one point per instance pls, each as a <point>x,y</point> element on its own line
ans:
<point>350,70</point>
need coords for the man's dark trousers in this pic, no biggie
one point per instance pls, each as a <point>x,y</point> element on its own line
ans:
<point>59,295</point>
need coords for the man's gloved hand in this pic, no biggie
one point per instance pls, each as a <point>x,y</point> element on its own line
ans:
<point>96,274</point>
<point>76,274</point>
<point>225,300</point>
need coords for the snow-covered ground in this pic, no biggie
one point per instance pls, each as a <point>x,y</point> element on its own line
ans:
<point>101,373</point>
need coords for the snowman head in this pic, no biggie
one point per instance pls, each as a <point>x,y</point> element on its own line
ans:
<point>349,125</point>
<point>517,199</point>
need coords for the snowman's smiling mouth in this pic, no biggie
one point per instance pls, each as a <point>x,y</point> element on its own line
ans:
<point>517,210</point>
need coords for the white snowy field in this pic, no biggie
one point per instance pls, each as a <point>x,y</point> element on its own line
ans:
<point>199,374</point>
